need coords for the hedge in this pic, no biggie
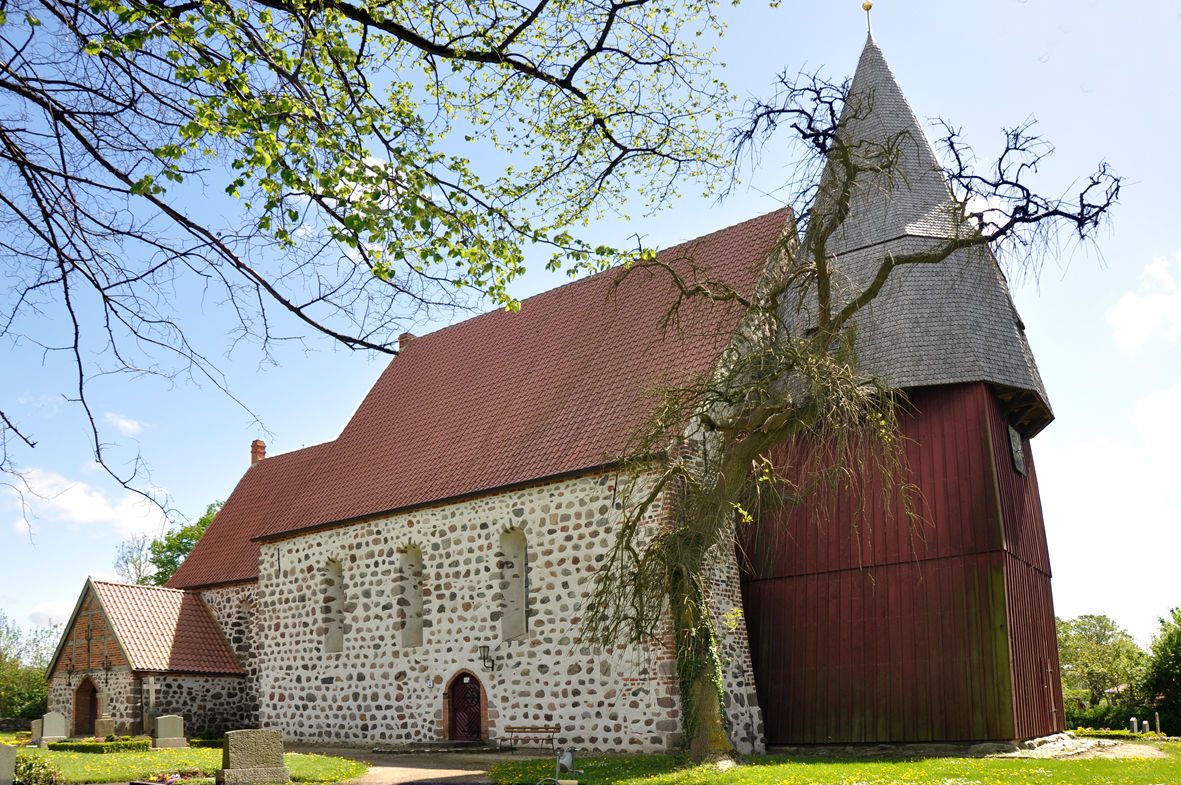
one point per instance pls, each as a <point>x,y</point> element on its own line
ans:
<point>101,747</point>
<point>206,743</point>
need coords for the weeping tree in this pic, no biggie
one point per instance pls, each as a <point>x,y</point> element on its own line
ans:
<point>789,414</point>
<point>303,168</point>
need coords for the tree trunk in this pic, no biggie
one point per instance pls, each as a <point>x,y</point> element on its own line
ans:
<point>699,667</point>
<point>710,740</point>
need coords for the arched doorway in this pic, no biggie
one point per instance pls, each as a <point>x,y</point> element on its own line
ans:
<point>467,708</point>
<point>85,708</point>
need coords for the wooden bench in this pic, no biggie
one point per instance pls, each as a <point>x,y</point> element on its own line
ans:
<point>541,734</point>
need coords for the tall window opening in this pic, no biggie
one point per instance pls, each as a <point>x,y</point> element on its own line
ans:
<point>410,603</point>
<point>333,609</point>
<point>514,584</point>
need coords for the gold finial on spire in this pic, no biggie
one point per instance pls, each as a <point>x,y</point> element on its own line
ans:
<point>866,6</point>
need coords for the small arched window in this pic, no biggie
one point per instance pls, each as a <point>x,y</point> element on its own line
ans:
<point>333,608</point>
<point>410,603</point>
<point>514,584</point>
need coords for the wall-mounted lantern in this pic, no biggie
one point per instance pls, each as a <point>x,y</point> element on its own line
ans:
<point>486,658</point>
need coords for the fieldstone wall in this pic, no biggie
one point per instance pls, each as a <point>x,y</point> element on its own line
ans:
<point>376,690</point>
<point>122,692</point>
<point>13,724</point>
<point>210,705</point>
<point>234,609</point>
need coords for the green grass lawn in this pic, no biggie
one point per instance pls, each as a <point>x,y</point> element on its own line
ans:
<point>80,767</point>
<point>667,770</point>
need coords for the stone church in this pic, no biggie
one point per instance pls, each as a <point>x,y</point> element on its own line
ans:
<point>422,576</point>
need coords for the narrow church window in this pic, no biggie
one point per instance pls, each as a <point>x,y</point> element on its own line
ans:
<point>333,609</point>
<point>514,584</point>
<point>410,603</point>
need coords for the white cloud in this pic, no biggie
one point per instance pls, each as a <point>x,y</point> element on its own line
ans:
<point>46,614</point>
<point>1112,516</point>
<point>1154,309</point>
<point>48,500</point>
<point>124,425</point>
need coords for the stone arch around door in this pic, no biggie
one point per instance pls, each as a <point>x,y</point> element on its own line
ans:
<point>465,708</point>
<point>85,707</point>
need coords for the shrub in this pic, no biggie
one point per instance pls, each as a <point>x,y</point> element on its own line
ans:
<point>35,770</point>
<point>206,743</point>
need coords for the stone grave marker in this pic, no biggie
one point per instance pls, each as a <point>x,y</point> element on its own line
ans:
<point>35,729</point>
<point>1144,726</point>
<point>53,728</point>
<point>249,757</point>
<point>168,731</point>
<point>103,727</point>
<point>1133,724</point>
<point>7,764</point>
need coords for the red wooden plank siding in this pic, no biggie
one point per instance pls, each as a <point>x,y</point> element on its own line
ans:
<point>882,632</point>
<point>1021,506</point>
<point>1033,646</point>
<point>894,695</point>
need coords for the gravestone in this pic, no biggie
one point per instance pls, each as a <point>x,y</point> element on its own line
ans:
<point>1144,726</point>
<point>1134,725</point>
<point>249,757</point>
<point>103,727</point>
<point>7,764</point>
<point>168,731</point>
<point>35,729</point>
<point>53,728</point>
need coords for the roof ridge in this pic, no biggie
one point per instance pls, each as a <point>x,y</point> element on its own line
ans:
<point>137,585</point>
<point>612,269</point>
<point>288,454</point>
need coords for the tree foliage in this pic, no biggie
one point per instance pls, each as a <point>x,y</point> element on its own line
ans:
<point>148,561</point>
<point>23,659</point>
<point>380,158</point>
<point>790,377</point>
<point>1163,677</point>
<point>1099,660</point>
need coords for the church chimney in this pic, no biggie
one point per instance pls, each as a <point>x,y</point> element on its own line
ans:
<point>404,340</point>
<point>258,451</point>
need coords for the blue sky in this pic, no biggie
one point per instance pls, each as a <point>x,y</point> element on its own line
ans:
<point>1104,324</point>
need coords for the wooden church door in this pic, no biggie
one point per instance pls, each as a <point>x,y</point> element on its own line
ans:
<point>85,708</point>
<point>465,708</point>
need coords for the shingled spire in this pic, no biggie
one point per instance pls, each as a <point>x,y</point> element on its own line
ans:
<point>931,324</point>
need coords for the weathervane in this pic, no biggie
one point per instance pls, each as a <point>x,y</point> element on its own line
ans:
<point>867,5</point>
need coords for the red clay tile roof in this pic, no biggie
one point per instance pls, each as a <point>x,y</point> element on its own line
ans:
<point>498,400</point>
<point>166,629</point>
<point>226,552</point>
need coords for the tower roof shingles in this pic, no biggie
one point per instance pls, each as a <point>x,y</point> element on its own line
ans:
<point>934,323</point>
